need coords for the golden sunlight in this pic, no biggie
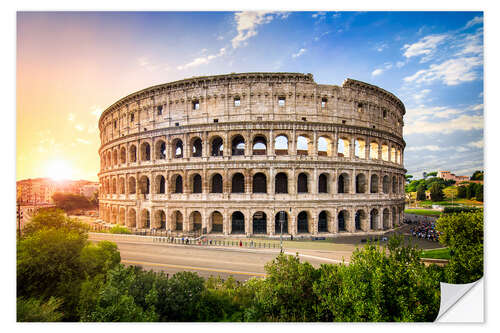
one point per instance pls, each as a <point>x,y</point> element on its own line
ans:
<point>59,170</point>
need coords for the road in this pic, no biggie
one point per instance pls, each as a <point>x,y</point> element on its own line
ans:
<point>206,261</point>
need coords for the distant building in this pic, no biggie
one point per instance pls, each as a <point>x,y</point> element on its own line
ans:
<point>40,190</point>
<point>89,190</point>
<point>447,175</point>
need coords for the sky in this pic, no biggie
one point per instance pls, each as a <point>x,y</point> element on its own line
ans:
<point>72,66</point>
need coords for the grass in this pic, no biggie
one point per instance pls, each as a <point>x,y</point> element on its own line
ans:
<point>424,212</point>
<point>436,254</point>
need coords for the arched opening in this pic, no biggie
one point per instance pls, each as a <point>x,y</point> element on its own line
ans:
<point>217,146</point>
<point>196,183</point>
<point>302,183</point>
<point>259,145</point>
<point>374,184</point>
<point>394,184</point>
<point>359,148</point>
<point>374,219</point>
<point>197,148</point>
<point>114,215</point>
<point>131,185</point>
<point>115,157</point>
<point>281,183</point>
<point>121,217</point>
<point>303,145</point>
<point>196,220</point>
<point>374,150</point>
<point>342,220</point>
<point>123,155</point>
<point>359,220</point>
<point>237,223</point>
<point>323,221</point>
<point>178,219</point>
<point>385,219</point>
<point>145,152</point>
<point>238,146</point>
<point>160,184</point>
<point>238,183</point>
<point>216,184</point>
<point>361,183</point>
<point>121,185</point>
<point>131,218</point>
<point>302,223</point>
<point>217,222</point>
<point>323,183</point>
<point>324,146</point>
<point>161,150</point>
<point>343,183</point>
<point>385,184</point>
<point>281,145</point>
<point>133,154</point>
<point>178,148</point>
<point>385,152</point>
<point>144,185</point>
<point>280,217</point>
<point>178,188</point>
<point>109,159</point>
<point>259,223</point>
<point>160,220</point>
<point>343,147</point>
<point>259,184</point>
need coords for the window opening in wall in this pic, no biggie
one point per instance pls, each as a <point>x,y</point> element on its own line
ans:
<point>281,145</point>
<point>237,223</point>
<point>237,101</point>
<point>216,120</point>
<point>217,147</point>
<point>178,184</point>
<point>238,183</point>
<point>324,146</point>
<point>178,149</point>
<point>114,124</point>
<point>277,223</point>
<point>360,107</point>
<point>323,222</point>
<point>281,183</point>
<point>176,124</point>
<point>160,110</point>
<point>259,183</point>
<point>323,183</point>
<point>216,183</point>
<point>259,118</point>
<point>197,148</point>
<point>196,104</point>
<point>197,183</point>
<point>259,223</point>
<point>359,150</point>
<point>302,183</point>
<point>259,146</point>
<point>217,222</point>
<point>341,221</point>
<point>281,101</point>
<point>302,145</point>
<point>132,117</point>
<point>384,113</point>
<point>323,102</point>
<point>304,119</point>
<point>238,146</point>
<point>343,121</point>
<point>343,147</point>
<point>302,223</point>
<point>373,219</point>
<point>374,184</point>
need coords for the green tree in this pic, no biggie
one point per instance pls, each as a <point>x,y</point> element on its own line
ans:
<point>462,192</point>
<point>469,191</point>
<point>479,193</point>
<point>408,178</point>
<point>53,218</point>
<point>69,201</point>
<point>37,310</point>
<point>463,234</point>
<point>477,175</point>
<point>436,192</point>
<point>421,192</point>
<point>432,174</point>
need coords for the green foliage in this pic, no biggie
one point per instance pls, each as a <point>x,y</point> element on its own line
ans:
<point>436,192</point>
<point>437,253</point>
<point>37,310</point>
<point>118,229</point>
<point>99,258</point>
<point>432,174</point>
<point>479,193</point>
<point>462,192</point>
<point>421,192</point>
<point>450,210</point>
<point>463,234</point>
<point>469,192</point>
<point>408,178</point>
<point>423,212</point>
<point>70,201</point>
<point>477,175</point>
<point>53,218</point>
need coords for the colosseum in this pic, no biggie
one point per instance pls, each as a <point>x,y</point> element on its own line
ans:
<point>254,154</point>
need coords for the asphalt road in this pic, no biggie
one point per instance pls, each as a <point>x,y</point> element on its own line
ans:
<point>242,264</point>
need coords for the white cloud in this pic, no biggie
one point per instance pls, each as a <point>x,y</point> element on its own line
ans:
<point>318,14</point>
<point>421,113</point>
<point>202,60</point>
<point>247,23</point>
<point>461,123</point>
<point>220,37</point>
<point>476,144</point>
<point>381,47</point>
<point>378,71</point>
<point>451,72</point>
<point>461,149</point>
<point>422,94</point>
<point>428,147</point>
<point>400,64</point>
<point>424,46</point>
<point>474,21</point>
<point>477,107</point>
<point>472,43</point>
<point>299,53</point>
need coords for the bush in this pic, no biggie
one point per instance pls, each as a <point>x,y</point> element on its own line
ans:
<point>479,193</point>
<point>36,310</point>
<point>118,229</point>
<point>462,192</point>
<point>436,192</point>
<point>70,201</point>
<point>450,210</point>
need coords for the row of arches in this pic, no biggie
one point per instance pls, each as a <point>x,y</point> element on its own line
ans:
<point>259,222</point>
<point>259,184</point>
<point>304,145</point>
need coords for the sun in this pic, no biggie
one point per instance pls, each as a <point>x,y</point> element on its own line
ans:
<point>59,170</point>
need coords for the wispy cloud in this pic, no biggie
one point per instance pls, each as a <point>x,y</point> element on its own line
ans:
<point>477,144</point>
<point>320,15</point>
<point>425,46</point>
<point>299,53</point>
<point>428,147</point>
<point>379,71</point>
<point>202,60</point>
<point>461,123</point>
<point>247,24</point>
<point>474,21</point>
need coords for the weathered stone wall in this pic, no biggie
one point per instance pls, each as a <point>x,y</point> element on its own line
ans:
<point>143,133</point>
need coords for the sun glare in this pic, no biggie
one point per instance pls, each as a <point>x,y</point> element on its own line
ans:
<point>59,170</point>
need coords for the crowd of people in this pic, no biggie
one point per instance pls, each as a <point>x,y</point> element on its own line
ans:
<point>424,229</point>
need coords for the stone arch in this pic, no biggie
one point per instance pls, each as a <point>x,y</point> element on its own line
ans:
<point>281,183</point>
<point>160,184</point>
<point>217,222</point>
<point>237,145</point>
<point>131,185</point>
<point>238,183</point>
<point>160,219</point>
<point>145,151</point>
<point>374,183</point>
<point>374,219</point>
<point>133,154</point>
<point>177,184</point>
<point>259,145</point>
<point>302,183</point>
<point>114,215</point>
<point>361,183</point>
<point>121,185</point>
<point>131,218</point>
<point>325,146</point>
<point>323,221</point>
<point>161,149</point>
<point>277,222</point>
<point>374,150</point>
<point>304,145</point>
<point>121,216</point>
<point>237,223</point>
<point>196,185</point>
<point>177,148</point>
<point>360,220</point>
<point>109,159</point>
<point>259,223</point>
<point>195,220</point>
<point>123,155</point>
<point>216,146</point>
<point>342,220</point>
<point>385,219</point>
<point>145,219</point>
<point>259,183</point>
<point>196,147</point>
<point>323,181</point>
<point>303,222</point>
<point>343,147</point>
<point>385,152</point>
<point>281,144</point>
<point>216,183</point>
<point>144,185</point>
<point>385,184</point>
<point>360,148</point>
<point>343,183</point>
<point>178,220</point>
<point>393,155</point>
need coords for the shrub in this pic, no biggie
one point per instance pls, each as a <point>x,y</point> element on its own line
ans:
<point>118,229</point>
<point>436,192</point>
<point>36,310</point>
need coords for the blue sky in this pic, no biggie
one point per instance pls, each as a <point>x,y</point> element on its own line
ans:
<point>433,61</point>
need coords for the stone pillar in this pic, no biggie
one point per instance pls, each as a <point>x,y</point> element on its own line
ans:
<point>314,223</point>
<point>367,148</point>
<point>352,147</point>
<point>270,145</point>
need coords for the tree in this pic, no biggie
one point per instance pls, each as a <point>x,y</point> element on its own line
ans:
<point>436,192</point>
<point>479,193</point>
<point>37,310</point>
<point>477,175</point>
<point>421,192</point>
<point>469,191</point>
<point>432,174</point>
<point>462,192</point>
<point>54,218</point>
<point>408,178</point>
<point>463,234</point>
<point>69,201</point>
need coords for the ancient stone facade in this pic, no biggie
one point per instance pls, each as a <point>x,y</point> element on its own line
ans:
<point>226,154</point>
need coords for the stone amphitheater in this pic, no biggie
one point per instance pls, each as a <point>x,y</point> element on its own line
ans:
<point>254,154</point>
